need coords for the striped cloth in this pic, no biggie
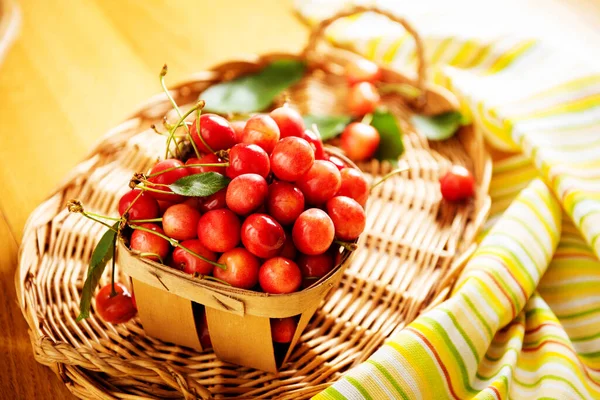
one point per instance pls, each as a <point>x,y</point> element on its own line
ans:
<point>524,318</point>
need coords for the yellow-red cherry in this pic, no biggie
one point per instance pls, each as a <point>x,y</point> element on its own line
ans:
<point>180,221</point>
<point>362,99</point>
<point>279,275</point>
<point>289,121</point>
<point>349,218</point>
<point>152,246</point>
<point>219,230</point>
<point>313,232</point>
<point>216,132</point>
<point>362,70</point>
<point>241,268</point>
<point>261,130</point>
<point>283,329</point>
<point>458,184</point>
<point>188,262</point>
<point>360,141</point>
<point>145,206</point>
<point>115,309</point>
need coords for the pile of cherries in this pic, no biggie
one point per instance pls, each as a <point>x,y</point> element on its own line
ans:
<point>279,224</point>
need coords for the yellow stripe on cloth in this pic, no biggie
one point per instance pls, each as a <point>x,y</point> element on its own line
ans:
<point>493,289</point>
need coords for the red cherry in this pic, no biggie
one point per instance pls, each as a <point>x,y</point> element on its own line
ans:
<point>314,268</point>
<point>360,141</point>
<point>166,179</point>
<point>289,121</point>
<point>246,193</point>
<point>458,184</point>
<point>261,130</point>
<point>247,158</point>
<point>363,98</point>
<point>316,143</point>
<point>206,159</point>
<point>362,70</point>
<point>320,183</point>
<point>163,205</point>
<point>238,129</point>
<point>145,207</point>
<point>283,329</point>
<point>219,230</point>
<point>216,132</point>
<point>262,235</point>
<point>279,275</point>
<point>205,341</point>
<point>214,201</point>
<point>348,217</point>
<point>241,268</point>
<point>354,185</point>
<point>146,242</point>
<point>116,309</point>
<point>189,263</point>
<point>285,202</point>
<point>291,158</point>
<point>180,222</point>
<point>337,162</point>
<point>288,250</point>
<point>313,232</point>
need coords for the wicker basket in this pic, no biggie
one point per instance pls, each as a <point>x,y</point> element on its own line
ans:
<point>413,247</point>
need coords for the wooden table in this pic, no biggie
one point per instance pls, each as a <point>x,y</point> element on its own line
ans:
<point>79,67</point>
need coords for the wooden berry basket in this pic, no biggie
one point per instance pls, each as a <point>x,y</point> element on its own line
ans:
<point>413,247</point>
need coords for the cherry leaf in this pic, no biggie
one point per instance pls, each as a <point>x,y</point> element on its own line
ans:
<point>390,143</point>
<point>254,92</point>
<point>329,126</point>
<point>438,127</point>
<point>101,255</point>
<point>200,185</point>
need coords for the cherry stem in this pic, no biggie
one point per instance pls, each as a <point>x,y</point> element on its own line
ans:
<point>113,292</point>
<point>367,119</point>
<point>142,221</point>
<point>212,278</point>
<point>149,254</point>
<point>101,216</point>
<point>187,166</point>
<point>198,112</point>
<point>144,188</point>
<point>175,243</point>
<point>387,176</point>
<point>180,123</point>
<point>348,246</point>
<point>87,215</point>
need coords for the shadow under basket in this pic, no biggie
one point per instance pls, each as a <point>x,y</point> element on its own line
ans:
<point>239,320</point>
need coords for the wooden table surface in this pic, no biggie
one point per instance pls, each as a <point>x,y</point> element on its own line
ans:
<point>79,67</point>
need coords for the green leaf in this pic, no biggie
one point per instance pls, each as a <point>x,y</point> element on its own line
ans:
<point>438,127</point>
<point>199,185</point>
<point>329,125</point>
<point>255,92</point>
<point>102,254</point>
<point>390,143</point>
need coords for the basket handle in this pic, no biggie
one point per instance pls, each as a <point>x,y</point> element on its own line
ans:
<point>319,31</point>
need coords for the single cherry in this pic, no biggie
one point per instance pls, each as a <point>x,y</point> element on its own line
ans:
<point>246,193</point>
<point>363,98</point>
<point>262,235</point>
<point>241,268</point>
<point>216,132</point>
<point>313,232</point>
<point>292,157</point>
<point>219,230</point>
<point>263,131</point>
<point>118,308</point>
<point>145,207</point>
<point>362,70</point>
<point>289,121</point>
<point>247,158</point>
<point>149,243</point>
<point>180,221</point>
<point>337,162</point>
<point>283,329</point>
<point>458,184</point>
<point>320,183</point>
<point>166,178</point>
<point>214,201</point>
<point>279,275</point>
<point>360,141</point>
<point>285,202</point>
<point>288,250</point>
<point>205,159</point>
<point>238,129</point>
<point>187,262</point>
<point>349,218</point>
<point>354,185</point>
<point>316,143</point>
<point>315,267</point>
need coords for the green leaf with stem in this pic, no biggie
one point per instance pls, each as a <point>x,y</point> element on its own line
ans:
<point>329,126</point>
<point>390,143</point>
<point>200,185</point>
<point>102,254</point>
<point>438,127</point>
<point>253,92</point>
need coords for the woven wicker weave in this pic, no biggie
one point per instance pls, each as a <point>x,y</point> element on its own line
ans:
<point>412,249</point>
